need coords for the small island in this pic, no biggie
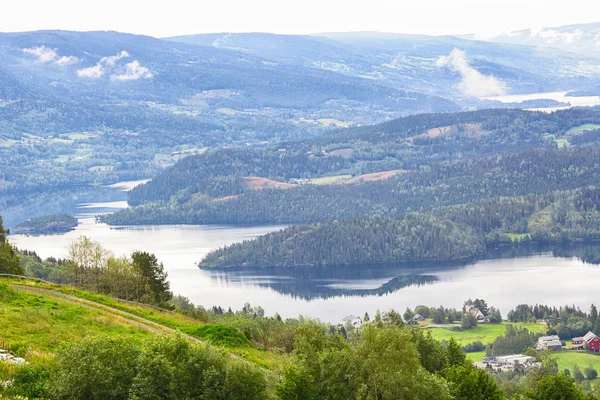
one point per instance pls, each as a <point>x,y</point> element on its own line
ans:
<point>47,225</point>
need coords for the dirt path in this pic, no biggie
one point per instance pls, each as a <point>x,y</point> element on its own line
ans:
<point>123,315</point>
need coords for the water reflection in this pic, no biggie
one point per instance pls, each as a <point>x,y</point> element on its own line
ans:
<point>323,283</point>
<point>380,280</point>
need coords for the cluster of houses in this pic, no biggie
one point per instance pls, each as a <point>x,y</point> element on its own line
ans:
<point>9,358</point>
<point>590,341</point>
<point>515,362</point>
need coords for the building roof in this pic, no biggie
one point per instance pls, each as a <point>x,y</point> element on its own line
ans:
<point>577,339</point>
<point>553,343</point>
<point>544,339</point>
<point>589,336</point>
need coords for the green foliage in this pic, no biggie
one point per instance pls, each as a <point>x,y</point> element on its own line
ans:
<point>557,387</point>
<point>469,383</point>
<point>221,335</point>
<point>357,241</point>
<point>474,347</point>
<point>577,374</point>
<point>31,381</point>
<point>468,321</point>
<point>48,224</point>
<point>515,341</point>
<point>9,260</point>
<point>590,373</point>
<point>95,368</point>
<point>163,368</point>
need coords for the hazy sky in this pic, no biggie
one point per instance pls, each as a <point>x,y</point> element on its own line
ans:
<point>175,17</point>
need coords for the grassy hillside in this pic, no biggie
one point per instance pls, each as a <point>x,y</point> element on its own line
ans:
<point>35,324</point>
<point>485,333</point>
<point>79,314</point>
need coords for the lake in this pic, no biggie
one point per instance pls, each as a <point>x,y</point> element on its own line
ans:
<point>580,101</point>
<point>554,276</point>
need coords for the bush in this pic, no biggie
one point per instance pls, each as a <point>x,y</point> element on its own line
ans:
<point>590,373</point>
<point>474,347</point>
<point>31,381</point>
<point>468,321</point>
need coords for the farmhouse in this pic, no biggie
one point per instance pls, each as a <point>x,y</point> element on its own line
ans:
<point>476,312</point>
<point>549,343</point>
<point>577,340</point>
<point>355,322</point>
<point>417,318</point>
<point>592,342</point>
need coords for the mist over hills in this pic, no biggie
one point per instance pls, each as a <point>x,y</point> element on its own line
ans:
<point>97,107</point>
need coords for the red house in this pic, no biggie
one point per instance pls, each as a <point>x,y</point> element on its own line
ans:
<point>592,341</point>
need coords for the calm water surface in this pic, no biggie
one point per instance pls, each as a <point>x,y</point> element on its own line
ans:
<point>580,101</point>
<point>551,276</point>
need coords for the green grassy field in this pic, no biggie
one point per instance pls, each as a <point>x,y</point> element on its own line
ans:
<point>485,333</point>
<point>583,359</point>
<point>34,324</point>
<point>225,337</point>
<point>583,128</point>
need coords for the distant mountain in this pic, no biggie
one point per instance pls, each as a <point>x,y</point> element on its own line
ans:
<point>581,39</point>
<point>413,61</point>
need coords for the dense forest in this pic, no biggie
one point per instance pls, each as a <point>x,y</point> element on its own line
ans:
<point>485,153</point>
<point>443,233</point>
<point>354,241</point>
<point>48,224</point>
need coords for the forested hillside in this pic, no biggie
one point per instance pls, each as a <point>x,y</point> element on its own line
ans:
<point>535,171</point>
<point>444,233</point>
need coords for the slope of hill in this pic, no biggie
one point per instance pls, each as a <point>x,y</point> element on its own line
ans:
<point>580,38</point>
<point>409,61</point>
<point>404,144</point>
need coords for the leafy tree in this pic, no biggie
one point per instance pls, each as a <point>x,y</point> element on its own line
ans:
<point>468,321</point>
<point>408,314</point>
<point>154,276</point>
<point>481,305</point>
<point>95,368</point>
<point>577,374</point>
<point>590,373</point>
<point>556,387</point>
<point>455,355</point>
<point>494,316</point>
<point>9,260</point>
<point>470,383</point>
<point>593,316</point>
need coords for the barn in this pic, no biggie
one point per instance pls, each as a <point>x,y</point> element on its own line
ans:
<point>592,342</point>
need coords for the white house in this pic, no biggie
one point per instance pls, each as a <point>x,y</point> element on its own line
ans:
<point>476,312</point>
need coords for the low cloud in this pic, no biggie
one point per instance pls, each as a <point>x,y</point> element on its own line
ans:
<point>133,71</point>
<point>473,82</point>
<point>551,36</point>
<point>67,60</point>
<point>94,72</point>
<point>112,60</point>
<point>46,55</point>
<point>105,64</point>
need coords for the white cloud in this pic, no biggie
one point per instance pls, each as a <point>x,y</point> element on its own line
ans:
<point>94,72</point>
<point>551,36</point>
<point>112,60</point>
<point>133,71</point>
<point>46,55</point>
<point>473,82</point>
<point>597,39</point>
<point>67,60</point>
<point>43,53</point>
<point>105,63</point>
